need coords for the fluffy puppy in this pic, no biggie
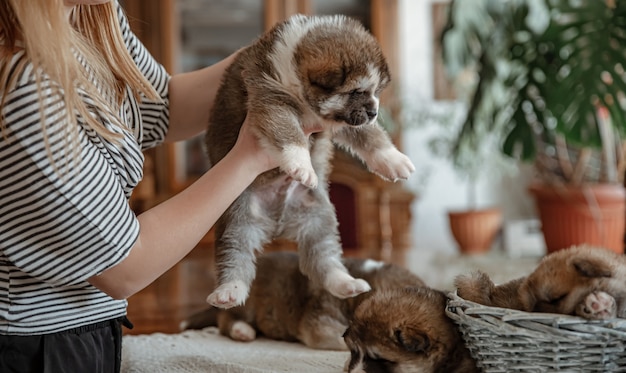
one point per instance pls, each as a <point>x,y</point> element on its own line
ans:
<point>585,281</point>
<point>285,305</point>
<point>403,331</point>
<point>322,72</point>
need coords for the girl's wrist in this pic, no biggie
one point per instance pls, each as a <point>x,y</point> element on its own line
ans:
<point>250,163</point>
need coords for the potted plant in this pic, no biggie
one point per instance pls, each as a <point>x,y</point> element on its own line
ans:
<point>550,82</point>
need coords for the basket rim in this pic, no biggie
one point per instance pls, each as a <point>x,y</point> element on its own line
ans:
<point>511,315</point>
<point>537,342</point>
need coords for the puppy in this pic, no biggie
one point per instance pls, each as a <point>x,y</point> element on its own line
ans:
<point>321,72</point>
<point>285,305</point>
<point>584,281</point>
<point>406,330</point>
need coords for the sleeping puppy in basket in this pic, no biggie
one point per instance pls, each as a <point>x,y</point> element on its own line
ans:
<point>319,72</point>
<point>585,281</point>
<point>285,305</point>
<point>404,331</point>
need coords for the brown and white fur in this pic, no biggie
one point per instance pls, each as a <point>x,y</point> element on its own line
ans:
<point>307,72</point>
<point>406,331</point>
<point>585,281</point>
<point>285,305</point>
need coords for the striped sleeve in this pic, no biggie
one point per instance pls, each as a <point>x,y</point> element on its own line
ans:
<point>154,115</point>
<point>59,226</point>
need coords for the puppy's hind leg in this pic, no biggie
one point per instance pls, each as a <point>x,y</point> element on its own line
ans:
<point>235,262</point>
<point>340,284</point>
<point>322,332</point>
<point>237,239</point>
<point>320,252</point>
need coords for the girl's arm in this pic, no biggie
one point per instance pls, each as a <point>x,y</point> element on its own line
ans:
<point>191,96</point>
<point>172,229</point>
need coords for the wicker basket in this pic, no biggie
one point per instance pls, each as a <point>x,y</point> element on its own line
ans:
<point>506,340</point>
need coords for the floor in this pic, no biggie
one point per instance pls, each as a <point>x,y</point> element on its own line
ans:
<point>183,290</point>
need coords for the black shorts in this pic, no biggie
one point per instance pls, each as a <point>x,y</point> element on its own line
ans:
<point>95,348</point>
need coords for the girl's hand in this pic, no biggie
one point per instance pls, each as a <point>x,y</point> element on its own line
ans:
<point>259,158</point>
<point>254,156</point>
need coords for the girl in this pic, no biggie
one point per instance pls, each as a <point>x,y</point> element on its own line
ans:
<point>80,98</point>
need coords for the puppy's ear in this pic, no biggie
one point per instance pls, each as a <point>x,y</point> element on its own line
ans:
<point>327,79</point>
<point>591,268</point>
<point>412,340</point>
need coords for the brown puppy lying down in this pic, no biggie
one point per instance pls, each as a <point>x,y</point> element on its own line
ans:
<point>285,305</point>
<point>399,326</point>
<point>586,281</point>
<point>405,330</point>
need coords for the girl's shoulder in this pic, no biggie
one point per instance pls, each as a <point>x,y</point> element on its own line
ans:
<point>19,71</point>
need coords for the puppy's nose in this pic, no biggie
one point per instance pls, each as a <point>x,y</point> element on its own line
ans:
<point>371,114</point>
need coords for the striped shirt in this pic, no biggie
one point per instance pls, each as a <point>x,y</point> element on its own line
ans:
<point>58,231</point>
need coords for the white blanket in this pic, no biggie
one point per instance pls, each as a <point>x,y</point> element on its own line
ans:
<point>207,351</point>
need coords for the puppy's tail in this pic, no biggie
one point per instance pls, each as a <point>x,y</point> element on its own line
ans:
<point>201,319</point>
<point>480,289</point>
<point>476,287</point>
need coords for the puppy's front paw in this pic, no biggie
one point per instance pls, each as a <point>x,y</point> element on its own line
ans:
<point>296,162</point>
<point>357,368</point>
<point>390,164</point>
<point>597,306</point>
<point>342,285</point>
<point>230,294</point>
<point>242,331</point>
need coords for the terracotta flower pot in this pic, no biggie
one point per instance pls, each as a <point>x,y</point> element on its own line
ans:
<point>594,215</point>
<point>475,230</point>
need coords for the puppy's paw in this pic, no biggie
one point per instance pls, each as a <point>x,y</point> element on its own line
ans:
<point>357,368</point>
<point>242,331</point>
<point>342,285</point>
<point>230,294</point>
<point>390,164</point>
<point>597,306</point>
<point>296,162</point>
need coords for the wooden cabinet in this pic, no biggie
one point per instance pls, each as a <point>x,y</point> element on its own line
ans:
<point>188,34</point>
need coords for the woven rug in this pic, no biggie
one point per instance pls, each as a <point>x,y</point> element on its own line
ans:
<point>207,351</point>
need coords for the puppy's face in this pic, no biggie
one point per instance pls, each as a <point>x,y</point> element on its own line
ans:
<point>571,281</point>
<point>405,330</point>
<point>343,73</point>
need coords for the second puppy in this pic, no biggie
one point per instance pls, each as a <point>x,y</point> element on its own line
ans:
<point>586,281</point>
<point>403,331</point>
<point>285,305</point>
<point>307,73</point>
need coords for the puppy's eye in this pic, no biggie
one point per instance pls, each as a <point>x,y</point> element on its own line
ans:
<point>326,80</point>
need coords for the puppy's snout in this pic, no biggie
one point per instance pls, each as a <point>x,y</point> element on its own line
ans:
<point>371,114</point>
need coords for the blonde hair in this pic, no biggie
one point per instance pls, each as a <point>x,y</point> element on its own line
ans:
<point>54,45</point>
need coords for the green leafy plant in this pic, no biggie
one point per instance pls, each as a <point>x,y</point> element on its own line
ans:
<point>550,83</point>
